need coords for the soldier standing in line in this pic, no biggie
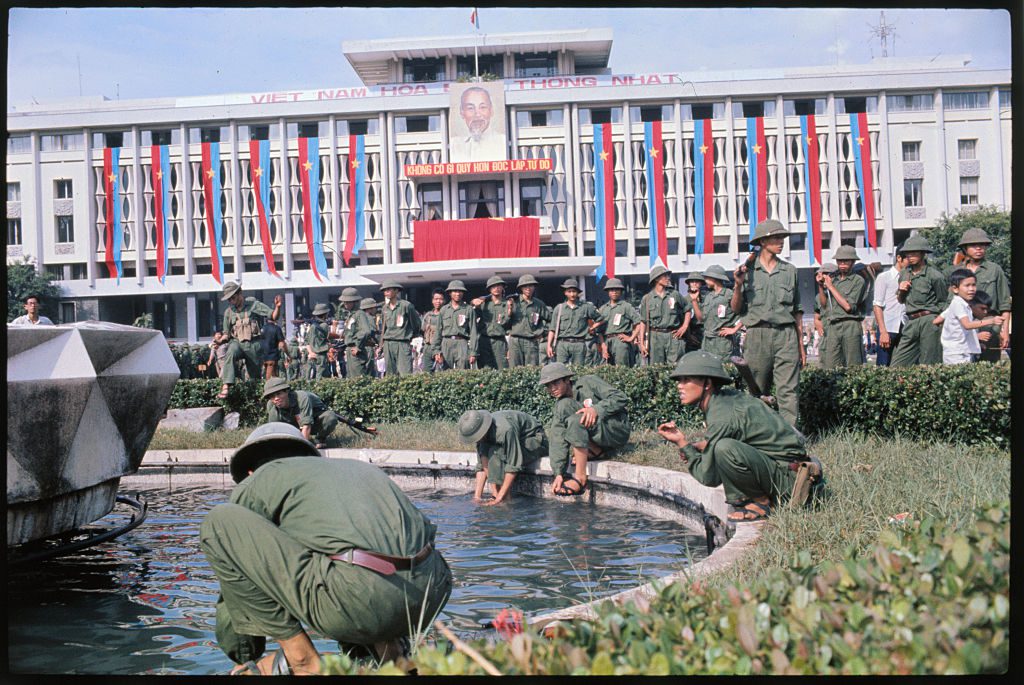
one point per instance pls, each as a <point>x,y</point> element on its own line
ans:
<point>456,344</point>
<point>360,340</point>
<point>242,327</point>
<point>696,291</point>
<point>528,324</point>
<point>925,292</point>
<point>767,297</point>
<point>992,281</point>
<point>316,344</point>
<point>840,301</point>
<point>430,329</point>
<point>665,317</point>
<point>401,322</point>
<point>720,322</point>
<point>621,323</point>
<point>571,322</point>
<point>821,320</point>
<point>495,314</point>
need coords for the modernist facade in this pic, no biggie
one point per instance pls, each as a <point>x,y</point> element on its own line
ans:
<point>929,138</point>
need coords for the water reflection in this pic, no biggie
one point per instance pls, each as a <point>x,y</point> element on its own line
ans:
<point>144,603</point>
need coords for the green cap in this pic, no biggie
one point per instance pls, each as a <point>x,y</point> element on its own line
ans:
<point>276,439</point>
<point>349,295</point>
<point>766,228</point>
<point>456,285</point>
<point>554,371</point>
<point>916,243</point>
<point>716,272</point>
<point>702,364</point>
<point>570,283</point>
<point>829,268</point>
<point>526,279</point>
<point>974,236</point>
<point>367,303</point>
<point>846,252</point>
<point>613,284</point>
<point>495,280</point>
<point>473,425</point>
<point>275,384</point>
<point>229,290</point>
<point>391,284</point>
<point>694,276</point>
<point>320,309</point>
<point>657,272</point>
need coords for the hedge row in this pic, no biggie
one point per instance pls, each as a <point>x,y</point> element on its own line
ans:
<point>925,600</point>
<point>965,404</point>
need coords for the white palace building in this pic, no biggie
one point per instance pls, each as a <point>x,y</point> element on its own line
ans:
<point>549,162</point>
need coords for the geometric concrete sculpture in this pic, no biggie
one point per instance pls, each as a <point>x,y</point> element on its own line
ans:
<point>83,402</point>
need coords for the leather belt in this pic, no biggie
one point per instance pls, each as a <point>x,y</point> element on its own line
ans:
<point>383,564</point>
<point>765,324</point>
<point>573,339</point>
<point>455,337</point>
<point>918,315</point>
<point>529,337</point>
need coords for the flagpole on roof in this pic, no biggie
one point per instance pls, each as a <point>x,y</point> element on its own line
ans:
<point>476,44</point>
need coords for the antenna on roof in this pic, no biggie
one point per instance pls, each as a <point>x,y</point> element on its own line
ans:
<point>79,57</point>
<point>884,32</point>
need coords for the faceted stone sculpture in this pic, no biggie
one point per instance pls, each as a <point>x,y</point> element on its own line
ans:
<point>83,402</point>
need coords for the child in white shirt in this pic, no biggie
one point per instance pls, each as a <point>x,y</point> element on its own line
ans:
<point>959,338</point>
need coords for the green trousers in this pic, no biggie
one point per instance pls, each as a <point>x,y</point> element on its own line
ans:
<point>844,345</point>
<point>455,352</point>
<point>357,362</point>
<point>324,425</point>
<point>773,355</point>
<point>746,472</point>
<point>320,366</point>
<point>493,353</point>
<point>571,352</point>
<point>721,347</point>
<point>247,351</point>
<point>664,348</point>
<point>270,585</point>
<point>397,357</point>
<point>523,352</point>
<point>919,344</point>
<point>567,432</point>
<point>620,353</point>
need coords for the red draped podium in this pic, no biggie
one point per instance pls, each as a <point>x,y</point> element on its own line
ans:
<point>435,241</point>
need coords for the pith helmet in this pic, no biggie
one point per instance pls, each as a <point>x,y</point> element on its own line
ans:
<point>391,284</point>
<point>275,439</point>
<point>229,290</point>
<point>766,228</point>
<point>526,279</point>
<point>275,384</point>
<point>916,243</point>
<point>456,285</point>
<point>829,268</point>
<point>657,272</point>
<point>349,295</point>
<point>614,284</point>
<point>702,364</point>
<point>694,276</point>
<point>473,425</point>
<point>846,252</point>
<point>367,303</point>
<point>570,283</point>
<point>975,236</point>
<point>554,371</point>
<point>495,280</point>
<point>716,272</point>
<point>320,309</point>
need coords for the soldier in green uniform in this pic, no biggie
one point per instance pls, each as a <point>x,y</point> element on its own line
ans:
<point>840,300</point>
<point>696,292</point>
<point>429,326</point>
<point>767,297</point>
<point>506,442</point>
<point>347,302</point>
<point>316,345</point>
<point>665,316</point>
<point>331,545</point>
<point>588,421</point>
<point>620,322</point>
<point>242,325</point>
<point>720,322</point>
<point>992,281</point>
<point>571,322</point>
<point>360,340</point>
<point>401,323</point>
<point>747,447</point>
<point>924,291</point>
<point>293,361</point>
<point>821,321</point>
<point>456,346</point>
<point>528,324</point>
<point>301,409</point>
<point>495,320</point>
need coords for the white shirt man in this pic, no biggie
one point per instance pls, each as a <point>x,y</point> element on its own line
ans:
<point>889,312</point>
<point>31,317</point>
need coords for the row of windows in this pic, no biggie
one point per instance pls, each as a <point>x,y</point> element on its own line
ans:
<point>527,65</point>
<point>63,189</point>
<point>966,149</point>
<point>913,192</point>
<point>65,226</point>
<point>478,200</point>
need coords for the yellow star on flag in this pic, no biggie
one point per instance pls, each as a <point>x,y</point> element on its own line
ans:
<point>257,172</point>
<point>860,140</point>
<point>112,177</point>
<point>757,149</point>
<point>809,141</point>
<point>308,165</point>
<point>159,175</point>
<point>209,173</point>
<point>355,163</point>
<point>604,156</point>
<point>703,149</point>
<point>654,152</point>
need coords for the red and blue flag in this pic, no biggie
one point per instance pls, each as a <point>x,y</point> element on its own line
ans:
<point>474,18</point>
<point>703,187</point>
<point>604,200</point>
<point>355,235</point>
<point>812,186</point>
<point>211,199</point>
<point>309,174</point>
<point>861,143</point>
<point>259,175</point>
<point>160,174</point>
<point>658,242</point>
<point>113,235</point>
<point>757,172</point>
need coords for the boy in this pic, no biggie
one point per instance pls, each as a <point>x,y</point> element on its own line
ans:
<point>988,337</point>
<point>958,337</point>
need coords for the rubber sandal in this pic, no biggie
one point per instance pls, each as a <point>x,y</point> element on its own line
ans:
<point>279,666</point>
<point>223,394</point>
<point>248,668</point>
<point>565,491</point>
<point>753,511</point>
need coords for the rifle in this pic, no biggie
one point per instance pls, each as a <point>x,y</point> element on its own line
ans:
<point>748,379</point>
<point>356,424</point>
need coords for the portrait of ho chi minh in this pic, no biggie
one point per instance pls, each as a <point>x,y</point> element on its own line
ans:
<point>477,123</point>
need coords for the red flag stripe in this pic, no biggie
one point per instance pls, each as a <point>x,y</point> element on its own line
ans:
<point>108,199</point>
<point>709,188</point>
<point>815,185</point>
<point>659,193</point>
<point>869,191</point>
<point>762,172</point>
<point>158,208</point>
<point>609,200</point>
<point>307,216</point>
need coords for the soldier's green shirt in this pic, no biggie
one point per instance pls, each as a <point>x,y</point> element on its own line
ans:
<point>452,320</point>
<point>770,297</point>
<point>572,321</point>
<point>742,417</point>
<point>331,505</point>
<point>667,310</point>
<point>852,289</point>
<point>718,313</point>
<point>511,429</point>
<point>359,330</point>
<point>428,326</point>
<point>304,405</point>
<point>316,336</point>
<point>400,323</point>
<point>495,321</point>
<point>992,281</point>
<point>529,319</point>
<point>250,309</point>
<point>929,290</point>
<point>621,317</point>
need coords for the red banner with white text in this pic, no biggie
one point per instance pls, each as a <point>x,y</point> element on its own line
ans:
<point>435,241</point>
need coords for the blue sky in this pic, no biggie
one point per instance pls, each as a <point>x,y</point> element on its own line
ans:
<point>159,52</point>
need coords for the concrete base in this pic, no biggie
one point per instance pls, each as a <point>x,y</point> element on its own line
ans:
<point>42,518</point>
<point>196,420</point>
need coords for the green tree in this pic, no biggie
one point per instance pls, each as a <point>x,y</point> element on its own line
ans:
<point>946,234</point>
<point>22,281</point>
